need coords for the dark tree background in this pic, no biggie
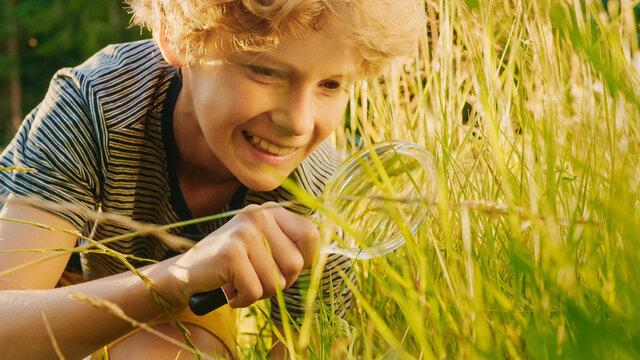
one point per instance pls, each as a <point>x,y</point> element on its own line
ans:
<point>38,37</point>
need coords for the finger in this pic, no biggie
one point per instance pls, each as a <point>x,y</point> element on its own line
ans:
<point>265,266</point>
<point>301,231</point>
<point>245,286</point>
<point>229,291</point>
<point>285,253</point>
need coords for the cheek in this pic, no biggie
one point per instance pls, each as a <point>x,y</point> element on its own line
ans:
<point>333,114</point>
<point>218,104</point>
<point>206,98</point>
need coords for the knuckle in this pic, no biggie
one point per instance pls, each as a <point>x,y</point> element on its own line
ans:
<point>233,251</point>
<point>254,293</point>
<point>269,209</point>
<point>270,285</point>
<point>252,207</point>
<point>259,215</point>
<point>245,233</point>
<point>310,232</point>
<point>251,211</point>
<point>292,267</point>
<point>269,291</point>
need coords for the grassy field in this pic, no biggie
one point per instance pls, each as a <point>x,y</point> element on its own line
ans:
<point>532,246</point>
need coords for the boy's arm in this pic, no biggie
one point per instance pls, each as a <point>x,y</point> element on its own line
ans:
<point>27,296</point>
<point>21,236</point>
<point>235,254</point>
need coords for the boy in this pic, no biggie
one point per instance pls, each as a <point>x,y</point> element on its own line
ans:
<point>188,125</point>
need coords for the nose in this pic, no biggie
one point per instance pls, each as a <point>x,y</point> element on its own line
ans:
<point>296,112</point>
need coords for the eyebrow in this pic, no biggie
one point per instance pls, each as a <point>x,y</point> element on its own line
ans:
<point>262,56</point>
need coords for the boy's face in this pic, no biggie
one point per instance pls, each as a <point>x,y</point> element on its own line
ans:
<point>270,109</point>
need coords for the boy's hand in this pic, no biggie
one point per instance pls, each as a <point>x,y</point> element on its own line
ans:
<point>236,255</point>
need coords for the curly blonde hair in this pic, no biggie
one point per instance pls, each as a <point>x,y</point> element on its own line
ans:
<point>379,29</point>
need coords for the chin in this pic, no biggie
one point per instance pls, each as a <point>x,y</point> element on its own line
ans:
<point>262,187</point>
<point>264,177</point>
<point>266,183</point>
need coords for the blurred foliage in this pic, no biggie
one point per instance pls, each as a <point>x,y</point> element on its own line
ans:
<point>52,34</point>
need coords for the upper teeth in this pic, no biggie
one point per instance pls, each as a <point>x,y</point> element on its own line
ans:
<point>267,146</point>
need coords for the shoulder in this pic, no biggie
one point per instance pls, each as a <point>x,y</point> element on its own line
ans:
<point>118,70</point>
<point>121,83</point>
<point>127,60</point>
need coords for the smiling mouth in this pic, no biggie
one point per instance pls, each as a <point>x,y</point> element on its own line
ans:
<point>266,146</point>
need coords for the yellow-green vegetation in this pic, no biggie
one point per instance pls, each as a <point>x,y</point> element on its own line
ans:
<point>532,245</point>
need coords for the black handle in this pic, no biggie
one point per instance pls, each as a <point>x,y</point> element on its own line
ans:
<point>205,302</point>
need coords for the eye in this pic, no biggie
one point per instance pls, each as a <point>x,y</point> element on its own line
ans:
<point>263,74</point>
<point>331,86</point>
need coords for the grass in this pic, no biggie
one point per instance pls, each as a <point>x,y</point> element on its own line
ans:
<point>532,245</point>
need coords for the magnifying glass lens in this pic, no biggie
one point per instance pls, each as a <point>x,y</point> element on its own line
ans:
<point>381,192</point>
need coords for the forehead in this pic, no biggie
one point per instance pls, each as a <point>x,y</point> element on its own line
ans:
<point>314,52</point>
<point>307,53</point>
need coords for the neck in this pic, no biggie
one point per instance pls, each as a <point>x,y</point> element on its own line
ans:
<point>206,184</point>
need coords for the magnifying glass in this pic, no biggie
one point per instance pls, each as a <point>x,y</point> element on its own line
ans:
<point>375,198</point>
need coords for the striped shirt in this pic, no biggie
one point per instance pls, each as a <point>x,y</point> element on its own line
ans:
<point>102,140</point>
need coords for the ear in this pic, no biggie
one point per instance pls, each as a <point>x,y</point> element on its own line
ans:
<point>165,49</point>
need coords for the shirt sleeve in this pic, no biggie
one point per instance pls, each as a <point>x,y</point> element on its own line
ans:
<point>57,140</point>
